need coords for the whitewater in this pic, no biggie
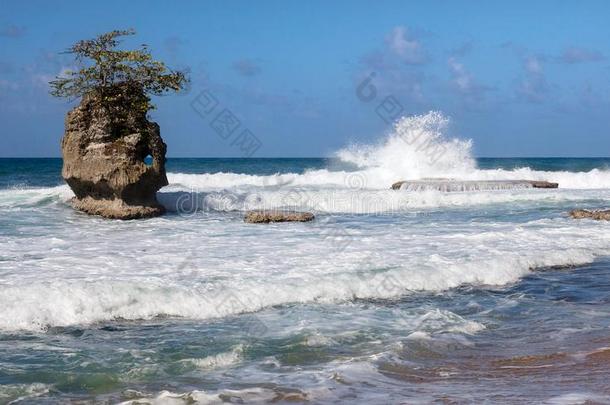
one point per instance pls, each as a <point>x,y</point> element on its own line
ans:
<point>377,272</point>
<point>66,289</point>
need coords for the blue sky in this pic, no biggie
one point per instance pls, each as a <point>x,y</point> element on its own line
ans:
<point>520,78</point>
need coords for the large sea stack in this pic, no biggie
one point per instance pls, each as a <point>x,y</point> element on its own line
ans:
<point>108,136</point>
<point>104,153</point>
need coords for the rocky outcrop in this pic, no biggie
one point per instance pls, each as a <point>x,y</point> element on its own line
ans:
<point>104,161</point>
<point>587,214</point>
<point>264,217</point>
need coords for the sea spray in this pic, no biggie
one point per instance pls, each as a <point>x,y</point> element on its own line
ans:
<point>417,148</point>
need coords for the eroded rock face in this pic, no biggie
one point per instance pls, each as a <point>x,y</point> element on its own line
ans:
<point>104,161</point>
<point>597,215</point>
<point>264,217</point>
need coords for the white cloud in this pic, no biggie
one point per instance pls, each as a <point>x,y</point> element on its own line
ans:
<point>42,79</point>
<point>408,49</point>
<point>463,81</point>
<point>461,78</point>
<point>396,64</point>
<point>533,85</point>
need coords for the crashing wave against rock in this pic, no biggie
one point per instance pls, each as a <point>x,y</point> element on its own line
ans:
<point>105,161</point>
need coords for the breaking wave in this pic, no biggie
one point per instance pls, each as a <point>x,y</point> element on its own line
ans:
<point>48,282</point>
<point>39,305</point>
<point>417,148</point>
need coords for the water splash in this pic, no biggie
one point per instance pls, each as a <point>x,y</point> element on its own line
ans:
<point>418,147</point>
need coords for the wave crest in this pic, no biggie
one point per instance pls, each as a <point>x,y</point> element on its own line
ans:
<point>416,148</point>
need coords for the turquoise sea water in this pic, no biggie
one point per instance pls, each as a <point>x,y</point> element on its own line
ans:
<point>387,297</point>
<point>46,172</point>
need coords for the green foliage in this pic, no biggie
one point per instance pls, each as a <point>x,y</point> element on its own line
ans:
<point>121,79</point>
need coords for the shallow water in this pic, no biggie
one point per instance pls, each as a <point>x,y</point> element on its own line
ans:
<point>387,297</point>
<point>540,339</point>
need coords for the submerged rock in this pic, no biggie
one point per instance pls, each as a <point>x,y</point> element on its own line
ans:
<point>264,217</point>
<point>104,155</point>
<point>587,214</point>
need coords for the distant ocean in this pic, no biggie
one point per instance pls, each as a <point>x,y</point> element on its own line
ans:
<point>389,296</point>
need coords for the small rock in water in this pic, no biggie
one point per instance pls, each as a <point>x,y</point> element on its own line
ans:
<point>597,215</point>
<point>544,184</point>
<point>397,185</point>
<point>264,217</point>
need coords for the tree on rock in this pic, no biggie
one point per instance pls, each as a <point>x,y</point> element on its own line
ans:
<point>108,136</point>
<point>117,78</point>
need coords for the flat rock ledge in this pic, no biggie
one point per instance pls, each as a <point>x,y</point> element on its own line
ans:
<point>598,215</point>
<point>264,217</point>
<point>116,209</point>
<point>534,183</point>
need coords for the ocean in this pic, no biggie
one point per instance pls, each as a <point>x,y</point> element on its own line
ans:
<point>389,296</point>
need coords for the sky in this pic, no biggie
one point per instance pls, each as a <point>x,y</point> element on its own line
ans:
<point>305,79</point>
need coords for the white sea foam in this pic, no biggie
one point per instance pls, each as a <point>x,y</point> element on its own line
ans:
<point>417,148</point>
<point>577,398</point>
<point>219,360</point>
<point>20,393</point>
<point>31,197</point>
<point>194,292</point>
<point>320,199</point>
<point>380,178</point>
<point>251,395</point>
<point>209,266</point>
<point>447,321</point>
<point>372,202</point>
<point>403,155</point>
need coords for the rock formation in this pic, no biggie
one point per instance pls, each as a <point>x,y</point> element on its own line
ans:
<point>104,152</point>
<point>264,217</point>
<point>597,215</point>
